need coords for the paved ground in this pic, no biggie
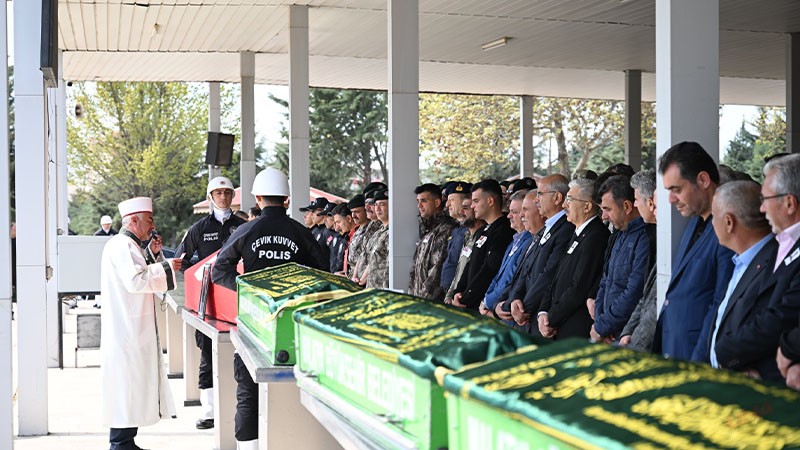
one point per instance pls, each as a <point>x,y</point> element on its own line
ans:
<point>74,395</point>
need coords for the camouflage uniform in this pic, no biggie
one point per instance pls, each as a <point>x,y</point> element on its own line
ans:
<point>378,258</point>
<point>430,255</point>
<point>355,248</point>
<point>366,244</point>
<point>466,251</point>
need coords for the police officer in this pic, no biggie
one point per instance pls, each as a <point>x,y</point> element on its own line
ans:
<point>332,237</point>
<point>271,240</point>
<point>205,237</point>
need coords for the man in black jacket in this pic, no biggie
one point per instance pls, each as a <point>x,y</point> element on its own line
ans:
<point>489,248</point>
<point>205,237</point>
<point>539,265</point>
<point>562,313</point>
<point>271,240</point>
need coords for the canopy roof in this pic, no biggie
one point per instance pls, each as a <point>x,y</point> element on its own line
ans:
<point>570,48</point>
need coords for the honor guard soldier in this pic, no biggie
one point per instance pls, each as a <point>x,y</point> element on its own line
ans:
<point>205,237</point>
<point>271,240</point>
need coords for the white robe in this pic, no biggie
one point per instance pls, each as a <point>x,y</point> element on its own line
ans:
<point>135,388</point>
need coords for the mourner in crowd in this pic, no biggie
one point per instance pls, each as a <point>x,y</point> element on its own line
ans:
<point>431,252</point>
<point>701,267</point>
<point>105,227</point>
<point>641,327</point>
<point>562,313</point>
<point>523,299</point>
<point>471,227</point>
<point>490,245</point>
<point>291,242</point>
<point>622,284</point>
<point>455,193</point>
<point>346,227</point>
<point>378,247</point>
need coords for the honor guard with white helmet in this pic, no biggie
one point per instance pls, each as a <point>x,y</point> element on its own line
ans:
<point>272,239</point>
<point>205,237</point>
<point>105,227</point>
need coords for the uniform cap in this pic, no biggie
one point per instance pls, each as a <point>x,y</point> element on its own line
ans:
<point>374,186</point>
<point>458,187</point>
<point>135,205</point>
<point>326,211</point>
<point>382,194</point>
<point>106,220</point>
<point>523,183</point>
<point>219,183</point>
<point>317,203</point>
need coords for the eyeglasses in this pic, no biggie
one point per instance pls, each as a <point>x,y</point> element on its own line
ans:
<point>763,199</point>
<point>541,193</point>
<point>571,199</point>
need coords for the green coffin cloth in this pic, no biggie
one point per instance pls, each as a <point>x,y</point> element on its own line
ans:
<point>416,334</point>
<point>291,284</point>
<point>599,396</point>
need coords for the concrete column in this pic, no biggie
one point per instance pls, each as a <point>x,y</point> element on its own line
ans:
<point>526,136</point>
<point>247,167</point>
<point>31,189</point>
<point>633,118</point>
<point>57,211</point>
<point>687,101</point>
<point>213,122</point>
<point>6,361</point>
<point>792,92</point>
<point>299,166</point>
<point>403,137</point>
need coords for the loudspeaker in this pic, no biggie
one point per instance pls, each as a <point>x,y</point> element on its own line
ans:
<point>219,151</point>
<point>48,55</point>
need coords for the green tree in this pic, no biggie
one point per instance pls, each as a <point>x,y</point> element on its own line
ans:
<point>138,139</point>
<point>347,138</point>
<point>740,151</point>
<point>469,137</point>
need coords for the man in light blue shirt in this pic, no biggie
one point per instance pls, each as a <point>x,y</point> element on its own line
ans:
<point>742,228</point>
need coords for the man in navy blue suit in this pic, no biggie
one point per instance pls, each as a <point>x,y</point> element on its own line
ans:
<point>701,268</point>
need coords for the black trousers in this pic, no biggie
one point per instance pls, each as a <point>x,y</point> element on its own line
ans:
<point>246,419</point>
<point>122,438</point>
<point>205,379</point>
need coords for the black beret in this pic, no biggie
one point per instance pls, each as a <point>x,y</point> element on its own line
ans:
<point>326,211</point>
<point>374,186</point>
<point>523,183</point>
<point>382,194</point>
<point>356,202</point>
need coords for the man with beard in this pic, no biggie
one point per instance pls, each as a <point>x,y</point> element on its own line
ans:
<point>472,226</point>
<point>431,249</point>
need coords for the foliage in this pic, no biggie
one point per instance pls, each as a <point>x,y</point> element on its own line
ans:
<point>746,152</point>
<point>138,139</point>
<point>347,139</point>
<point>469,137</point>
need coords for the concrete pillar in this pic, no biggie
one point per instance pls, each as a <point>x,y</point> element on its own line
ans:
<point>6,362</point>
<point>57,211</point>
<point>247,163</point>
<point>633,119</point>
<point>525,136</point>
<point>299,166</point>
<point>792,92</point>
<point>687,101</point>
<point>31,189</point>
<point>403,157</point>
<point>213,122</point>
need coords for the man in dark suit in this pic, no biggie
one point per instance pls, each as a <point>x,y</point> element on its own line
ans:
<point>489,248</point>
<point>701,267</point>
<point>740,227</point>
<point>788,358</point>
<point>539,265</point>
<point>778,297</point>
<point>562,313</point>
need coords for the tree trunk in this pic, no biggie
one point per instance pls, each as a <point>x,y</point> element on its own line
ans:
<point>561,143</point>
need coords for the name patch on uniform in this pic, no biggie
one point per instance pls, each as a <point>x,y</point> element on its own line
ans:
<point>481,241</point>
<point>207,237</point>
<point>544,239</point>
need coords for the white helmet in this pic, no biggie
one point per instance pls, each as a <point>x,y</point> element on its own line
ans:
<point>271,182</point>
<point>219,183</point>
<point>106,220</point>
